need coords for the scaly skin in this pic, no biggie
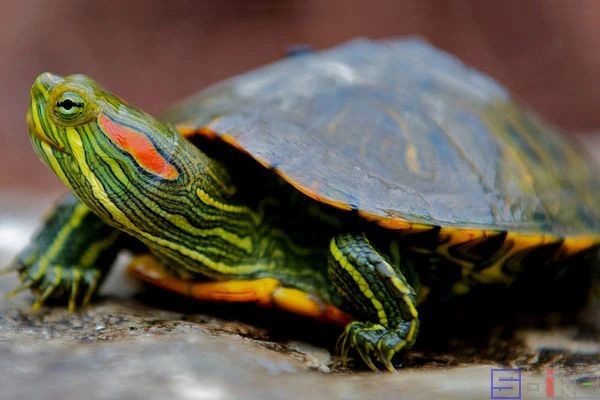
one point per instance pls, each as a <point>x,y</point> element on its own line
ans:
<point>69,256</point>
<point>380,293</point>
<point>140,177</point>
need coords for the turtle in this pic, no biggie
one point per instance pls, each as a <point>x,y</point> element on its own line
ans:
<point>346,185</point>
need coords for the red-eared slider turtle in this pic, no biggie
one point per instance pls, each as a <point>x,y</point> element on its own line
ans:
<point>341,185</point>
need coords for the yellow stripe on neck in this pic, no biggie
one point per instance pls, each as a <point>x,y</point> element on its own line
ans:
<point>230,208</point>
<point>78,153</point>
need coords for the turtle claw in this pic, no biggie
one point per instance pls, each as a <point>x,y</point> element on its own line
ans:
<point>386,360</point>
<point>41,299</point>
<point>74,284</point>
<point>25,285</point>
<point>374,341</point>
<point>342,344</point>
<point>366,358</point>
<point>359,336</point>
<point>72,305</point>
<point>91,280</point>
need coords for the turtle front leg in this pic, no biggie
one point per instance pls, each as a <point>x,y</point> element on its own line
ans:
<point>69,256</point>
<point>380,297</point>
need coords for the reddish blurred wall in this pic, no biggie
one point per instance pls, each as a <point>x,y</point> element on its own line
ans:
<point>153,53</point>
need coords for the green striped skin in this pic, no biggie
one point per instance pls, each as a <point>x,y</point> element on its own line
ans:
<point>195,223</point>
<point>381,295</point>
<point>69,256</point>
<point>201,222</point>
<point>237,220</point>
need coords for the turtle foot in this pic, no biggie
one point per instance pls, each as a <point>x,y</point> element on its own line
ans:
<point>373,341</point>
<point>74,284</point>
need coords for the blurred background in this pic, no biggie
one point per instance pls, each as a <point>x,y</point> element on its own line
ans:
<point>154,53</point>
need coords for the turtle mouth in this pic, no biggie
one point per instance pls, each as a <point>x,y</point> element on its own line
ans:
<point>40,135</point>
<point>39,94</point>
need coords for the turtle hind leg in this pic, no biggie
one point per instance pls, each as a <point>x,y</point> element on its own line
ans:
<point>265,292</point>
<point>379,295</point>
<point>68,258</point>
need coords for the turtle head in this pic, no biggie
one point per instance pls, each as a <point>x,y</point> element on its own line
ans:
<point>107,151</point>
<point>134,172</point>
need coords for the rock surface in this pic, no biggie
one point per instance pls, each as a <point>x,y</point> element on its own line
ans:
<point>135,343</point>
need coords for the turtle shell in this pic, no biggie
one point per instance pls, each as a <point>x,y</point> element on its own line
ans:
<point>408,136</point>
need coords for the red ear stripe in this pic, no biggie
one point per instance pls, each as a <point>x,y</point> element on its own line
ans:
<point>139,147</point>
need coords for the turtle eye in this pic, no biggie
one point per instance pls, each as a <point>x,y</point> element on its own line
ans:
<point>69,106</point>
